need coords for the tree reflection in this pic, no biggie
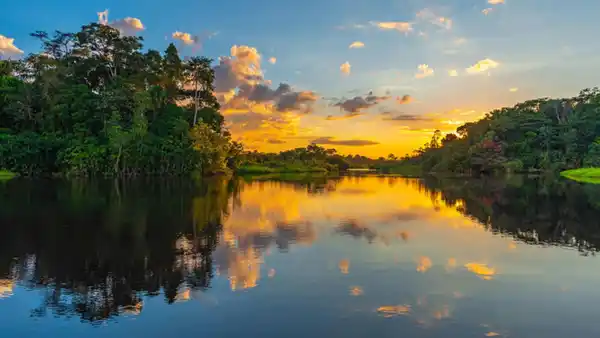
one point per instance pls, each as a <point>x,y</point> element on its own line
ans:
<point>537,211</point>
<point>96,248</point>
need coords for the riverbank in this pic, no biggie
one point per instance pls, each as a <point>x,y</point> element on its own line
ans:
<point>585,175</point>
<point>6,175</point>
<point>257,169</point>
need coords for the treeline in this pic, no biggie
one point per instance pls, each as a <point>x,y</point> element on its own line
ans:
<point>536,135</point>
<point>312,158</point>
<point>93,103</point>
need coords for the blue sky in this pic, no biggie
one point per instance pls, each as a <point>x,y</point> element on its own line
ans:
<point>539,48</point>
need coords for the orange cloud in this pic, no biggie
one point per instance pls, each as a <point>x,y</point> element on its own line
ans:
<point>7,47</point>
<point>404,27</point>
<point>345,68</point>
<point>356,44</point>
<point>186,38</point>
<point>424,264</point>
<point>273,60</point>
<point>481,270</point>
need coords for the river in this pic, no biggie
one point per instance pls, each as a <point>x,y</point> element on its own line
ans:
<point>358,256</point>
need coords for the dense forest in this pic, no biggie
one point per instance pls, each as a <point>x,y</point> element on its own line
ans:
<point>536,135</point>
<point>93,102</point>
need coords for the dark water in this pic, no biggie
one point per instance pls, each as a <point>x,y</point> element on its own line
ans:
<point>349,257</point>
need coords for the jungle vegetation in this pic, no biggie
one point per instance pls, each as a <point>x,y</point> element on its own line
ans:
<point>94,103</point>
<point>534,136</point>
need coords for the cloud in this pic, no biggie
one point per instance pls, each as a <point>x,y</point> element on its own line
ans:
<point>487,11</point>
<point>275,141</point>
<point>453,73</point>
<point>405,117</point>
<point>352,26</point>
<point>272,60</point>
<point>242,67</point>
<point>513,90</point>
<point>356,44</point>
<point>428,15</point>
<point>345,68</point>
<point>344,117</point>
<point>495,2</point>
<point>186,38</point>
<point>482,66</point>
<point>404,27</point>
<point>296,101</point>
<point>7,47</point>
<point>424,71</point>
<point>128,26</point>
<point>358,103</point>
<point>405,99</point>
<point>350,143</point>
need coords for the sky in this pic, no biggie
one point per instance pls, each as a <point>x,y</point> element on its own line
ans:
<point>362,76</point>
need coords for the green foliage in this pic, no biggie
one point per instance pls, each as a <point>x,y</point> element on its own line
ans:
<point>536,135</point>
<point>586,175</point>
<point>92,103</point>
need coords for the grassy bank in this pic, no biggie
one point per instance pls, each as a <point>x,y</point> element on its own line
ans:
<point>256,169</point>
<point>586,175</point>
<point>6,175</point>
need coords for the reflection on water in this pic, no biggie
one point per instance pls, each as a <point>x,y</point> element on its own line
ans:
<point>432,257</point>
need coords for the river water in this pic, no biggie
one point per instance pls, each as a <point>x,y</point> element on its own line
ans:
<point>361,256</point>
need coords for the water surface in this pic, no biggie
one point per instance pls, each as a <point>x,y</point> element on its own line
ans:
<point>346,257</point>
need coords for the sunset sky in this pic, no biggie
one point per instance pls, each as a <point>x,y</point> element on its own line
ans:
<point>365,76</point>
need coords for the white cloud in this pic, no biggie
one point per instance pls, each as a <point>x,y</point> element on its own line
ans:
<point>453,73</point>
<point>273,60</point>
<point>487,11</point>
<point>7,47</point>
<point>483,66</point>
<point>404,27</point>
<point>424,71</point>
<point>345,68</point>
<point>495,2</point>
<point>186,38</point>
<point>127,26</point>
<point>356,44</point>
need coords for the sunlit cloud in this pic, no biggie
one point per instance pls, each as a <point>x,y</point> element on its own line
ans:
<point>513,90</point>
<point>6,288</point>
<point>345,68</point>
<point>483,66</point>
<point>356,44</point>
<point>424,71</point>
<point>351,143</point>
<point>272,60</point>
<point>495,2</point>
<point>486,11</point>
<point>127,26</point>
<point>186,38</point>
<point>8,48</point>
<point>492,334</point>
<point>453,73</point>
<point>404,27</point>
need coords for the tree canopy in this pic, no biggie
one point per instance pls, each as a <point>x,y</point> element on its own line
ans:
<point>536,135</point>
<point>93,102</point>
